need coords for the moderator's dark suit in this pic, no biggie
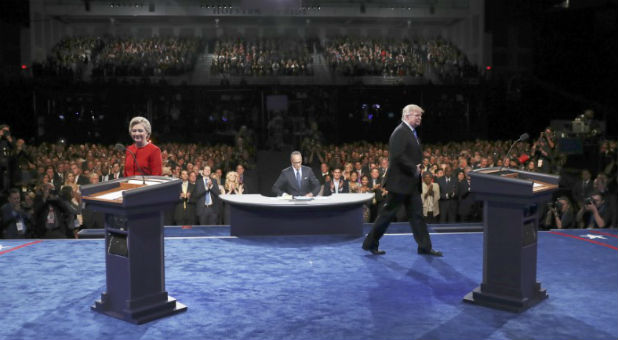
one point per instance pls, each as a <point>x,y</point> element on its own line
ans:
<point>403,184</point>
<point>286,183</point>
<point>207,215</point>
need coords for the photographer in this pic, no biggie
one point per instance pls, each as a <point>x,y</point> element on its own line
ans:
<point>54,212</point>
<point>542,151</point>
<point>599,213</point>
<point>14,221</point>
<point>561,214</point>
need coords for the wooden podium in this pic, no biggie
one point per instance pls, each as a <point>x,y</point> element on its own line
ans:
<point>134,252</point>
<point>512,207</point>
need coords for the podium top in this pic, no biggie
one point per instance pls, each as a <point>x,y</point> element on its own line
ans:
<point>511,182</point>
<point>132,191</point>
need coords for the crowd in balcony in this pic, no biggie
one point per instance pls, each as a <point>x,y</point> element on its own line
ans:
<point>347,56</point>
<point>262,57</point>
<point>147,57</point>
<point>449,62</point>
<point>114,56</point>
<point>358,57</point>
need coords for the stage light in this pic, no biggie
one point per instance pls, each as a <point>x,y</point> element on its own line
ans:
<point>488,68</point>
<point>24,67</point>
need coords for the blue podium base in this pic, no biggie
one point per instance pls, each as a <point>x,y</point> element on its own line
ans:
<point>505,302</point>
<point>141,314</point>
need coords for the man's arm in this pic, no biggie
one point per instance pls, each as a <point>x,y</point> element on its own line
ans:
<point>214,189</point>
<point>279,186</point>
<point>600,220</point>
<point>314,183</point>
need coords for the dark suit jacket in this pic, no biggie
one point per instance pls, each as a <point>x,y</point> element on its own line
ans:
<point>200,194</point>
<point>404,154</point>
<point>344,187</point>
<point>82,180</point>
<point>286,183</point>
<point>249,183</point>
<point>445,188</point>
<point>180,212</point>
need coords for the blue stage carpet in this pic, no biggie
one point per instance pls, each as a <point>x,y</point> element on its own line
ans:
<point>313,287</point>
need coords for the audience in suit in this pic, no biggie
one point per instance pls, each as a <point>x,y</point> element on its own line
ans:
<point>184,213</point>
<point>448,202</point>
<point>207,198</point>
<point>337,185</point>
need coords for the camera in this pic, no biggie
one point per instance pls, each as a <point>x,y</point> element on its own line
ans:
<point>588,201</point>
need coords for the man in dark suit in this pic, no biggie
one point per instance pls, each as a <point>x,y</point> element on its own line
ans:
<point>403,184</point>
<point>448,199</point>
<point>337,185</point>
<point>246,179</point>
<point>116,172</point>
<point>375,183</point>
<point>207,203</point>
<point>297,180</point>
<point>80,179</point>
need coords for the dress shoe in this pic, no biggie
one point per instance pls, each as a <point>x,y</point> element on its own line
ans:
<point>431,252</point>
<point>374,251</point>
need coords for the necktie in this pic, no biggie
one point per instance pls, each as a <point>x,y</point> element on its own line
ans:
<point>207,200</point>
<point>415,135</point>
<point>298,178</point>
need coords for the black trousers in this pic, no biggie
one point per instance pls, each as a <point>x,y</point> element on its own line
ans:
<point>413,206</point>
<point>208,215</point>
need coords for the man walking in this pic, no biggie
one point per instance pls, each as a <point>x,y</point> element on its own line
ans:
<point>403,183</point>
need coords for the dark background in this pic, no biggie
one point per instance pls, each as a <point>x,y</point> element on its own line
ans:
<point>549,62</point>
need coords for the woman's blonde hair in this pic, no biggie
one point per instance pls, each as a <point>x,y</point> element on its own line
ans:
<point>231,176</point>
<point>143,121</point>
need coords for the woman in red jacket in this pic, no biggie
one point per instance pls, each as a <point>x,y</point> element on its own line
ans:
<point>142,157</point>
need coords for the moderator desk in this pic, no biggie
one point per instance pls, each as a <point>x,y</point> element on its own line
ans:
<point>254,214</point>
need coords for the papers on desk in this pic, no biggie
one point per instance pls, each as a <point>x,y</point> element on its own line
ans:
<point>116,195</point>
<point>302,198</point>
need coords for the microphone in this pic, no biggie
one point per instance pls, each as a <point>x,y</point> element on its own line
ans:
<point>524,137</point>
<point>122,148</point>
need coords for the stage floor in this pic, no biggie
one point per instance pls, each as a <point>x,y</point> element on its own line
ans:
<point>313,287</point>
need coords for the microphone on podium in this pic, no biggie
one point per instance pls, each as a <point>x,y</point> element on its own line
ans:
<point>122,148</point>
<point>524,137</point>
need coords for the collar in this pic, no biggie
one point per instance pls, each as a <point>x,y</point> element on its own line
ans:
<point>408,125</point>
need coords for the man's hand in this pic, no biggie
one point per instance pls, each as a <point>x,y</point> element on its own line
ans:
<point>590,207</point>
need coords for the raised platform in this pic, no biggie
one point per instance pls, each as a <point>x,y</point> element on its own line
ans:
<point>224,230</point>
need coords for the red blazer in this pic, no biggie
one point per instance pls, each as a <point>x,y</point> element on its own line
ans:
<point>148,160</point>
